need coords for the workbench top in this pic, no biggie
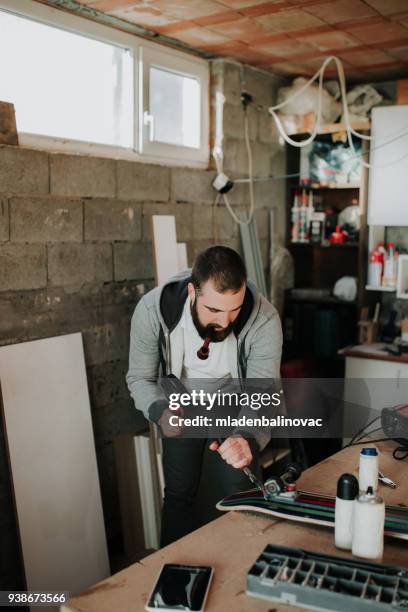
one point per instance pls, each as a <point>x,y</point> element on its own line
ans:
<point>231,544</point>
<point>373,351</point>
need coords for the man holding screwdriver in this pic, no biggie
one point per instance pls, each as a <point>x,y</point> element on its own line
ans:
<point>212,307</point>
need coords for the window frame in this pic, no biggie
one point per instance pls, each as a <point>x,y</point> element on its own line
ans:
<point>139,48</point>
<point>181,65</point>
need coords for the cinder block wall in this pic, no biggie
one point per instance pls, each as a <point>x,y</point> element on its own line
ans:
<point>75,255</point>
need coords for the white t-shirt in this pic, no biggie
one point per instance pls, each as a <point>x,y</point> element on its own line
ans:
<point>217,364</point>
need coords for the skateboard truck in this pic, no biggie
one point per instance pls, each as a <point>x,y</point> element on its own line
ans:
<point>284,485</point>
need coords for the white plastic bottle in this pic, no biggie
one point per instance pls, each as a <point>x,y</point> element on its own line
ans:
<point>368,526</point>
<point>295,219</point>
<point>375,269</point>
<point>390,266</point>
<point>347,491</point>
<point>368,471</point>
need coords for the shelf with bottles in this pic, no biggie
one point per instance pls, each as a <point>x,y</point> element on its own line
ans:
<point>318,222</point>
<point>385,259</point>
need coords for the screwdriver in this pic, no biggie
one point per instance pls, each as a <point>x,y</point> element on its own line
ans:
<point>255,481</point>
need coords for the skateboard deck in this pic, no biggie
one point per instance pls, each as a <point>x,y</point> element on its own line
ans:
<point>309,508</point>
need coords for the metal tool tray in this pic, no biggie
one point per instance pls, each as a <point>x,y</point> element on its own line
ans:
<point>325,582</point>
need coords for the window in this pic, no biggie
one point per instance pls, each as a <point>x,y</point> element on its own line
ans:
<point>81,86</point>
<point>66,85</point>
<point>174,114</point>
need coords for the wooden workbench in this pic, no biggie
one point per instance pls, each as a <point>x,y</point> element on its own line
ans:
<point>232,543</point>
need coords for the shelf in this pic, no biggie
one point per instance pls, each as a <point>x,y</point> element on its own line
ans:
<point>333,187</point>
<point>333,128</point>
<point>382,289</point>
<point>344,245</point>
<point>327,301</point>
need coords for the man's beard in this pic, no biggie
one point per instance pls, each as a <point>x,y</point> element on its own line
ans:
<point>208,331</point>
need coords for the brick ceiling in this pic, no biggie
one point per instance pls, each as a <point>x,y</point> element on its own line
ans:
<point>288,37</point>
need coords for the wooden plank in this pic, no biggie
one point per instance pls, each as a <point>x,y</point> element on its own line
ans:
<point>232,543</point>
<point>51,450</point>
<point>333,128</point>
<point>182,256</point>
<point>129,497</point>
<point>166,258</point>
<point>8,128</point>
<point>402,91</point>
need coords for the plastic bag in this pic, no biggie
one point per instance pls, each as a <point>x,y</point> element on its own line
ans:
<point>307,101</point>
<point>346,288</point>
<point>361,99</point>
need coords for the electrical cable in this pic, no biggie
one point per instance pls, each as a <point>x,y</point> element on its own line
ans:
<point>218,150</point>
<point>368,433</point>
<point>361,431</point>
<point>218,157</point>
<point>362,441</point>
<point>400,449</point>
<point>358,156</point>
<point>350,131</point>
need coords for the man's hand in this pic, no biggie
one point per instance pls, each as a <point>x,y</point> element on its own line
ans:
<point>170,431</point>
<point>235,451</point>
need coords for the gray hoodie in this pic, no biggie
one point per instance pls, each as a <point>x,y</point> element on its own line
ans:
<point>157,343</point>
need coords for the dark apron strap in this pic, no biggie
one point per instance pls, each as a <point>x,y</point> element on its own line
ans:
<point>162,349</point>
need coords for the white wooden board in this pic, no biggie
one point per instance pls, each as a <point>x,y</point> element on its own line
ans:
<point>52,456</point>
<point>182,256</point>
<point>166,254</point>
<point>388,176</point>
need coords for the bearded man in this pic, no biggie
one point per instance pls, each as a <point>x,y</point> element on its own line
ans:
<point>214,309</point>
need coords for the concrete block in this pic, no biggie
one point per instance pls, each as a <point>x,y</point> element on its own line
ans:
<point>76,264</point>
<point>232,83</point>
<point>260,85</point>
<point>45,220</point>
<point>225,226</point>
<point>22,266</point>
<point>183,213</point>
<point>107,342</point>
<point>267,130</point>
<point>117,419</point>
<point>4,220</point>
<point>185,225</point>
<point>137,181</point>
<point>23,170</point>
<point>188,185</point>
<point>239,194</point>
<point>107,382</point>
<point>235,156</point>
<point>234,121</point>
<point>202,222</point>
<point>112,220</point>
<point>262,159</point>
<point>262,223</point>
<point>196,246</point>
<point>133,261</point>
<point>264,192</point>
<point>79,175</point>
<point>233,243</point>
